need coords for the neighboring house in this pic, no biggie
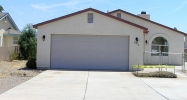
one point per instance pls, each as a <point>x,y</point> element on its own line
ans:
<point>91,39</point>
<point>185,44</point>
<point>9,32</point>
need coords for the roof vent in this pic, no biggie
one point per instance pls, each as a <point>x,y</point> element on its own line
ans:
<point>143,12</point>
<point>175,28</point>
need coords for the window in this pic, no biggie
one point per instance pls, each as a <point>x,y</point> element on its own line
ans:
<point>159,44</point>
<point>15,40</point>
<point>119,15</point>
<point>90,17</point>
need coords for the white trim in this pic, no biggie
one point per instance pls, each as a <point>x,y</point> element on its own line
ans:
<point>4,16</point>
<point>160,35</point>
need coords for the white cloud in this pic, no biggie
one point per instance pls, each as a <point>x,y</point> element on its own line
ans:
<point>181,6</point>
<point>71,3</point>
<point>19,12</point>
<point>45,7</point>
<point>157,7</point>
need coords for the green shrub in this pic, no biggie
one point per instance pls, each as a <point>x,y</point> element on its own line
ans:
<point>27,42</point>
<point>161,74</point>
<point>31,64</point>
<point>14,56</point>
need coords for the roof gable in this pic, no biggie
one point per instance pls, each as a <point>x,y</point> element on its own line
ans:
<point>145,30</point>
<point>119,10</point>
<point>3,15</point>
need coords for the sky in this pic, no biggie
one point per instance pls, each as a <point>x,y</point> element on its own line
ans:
<point>172,13</point>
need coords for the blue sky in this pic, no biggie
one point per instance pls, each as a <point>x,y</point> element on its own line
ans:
<point>172,13</point>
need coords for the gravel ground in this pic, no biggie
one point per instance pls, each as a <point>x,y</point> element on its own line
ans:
<point>14,73</point>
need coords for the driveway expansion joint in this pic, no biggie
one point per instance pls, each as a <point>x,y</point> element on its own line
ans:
<point>154,89</point>
<point>86,85</point>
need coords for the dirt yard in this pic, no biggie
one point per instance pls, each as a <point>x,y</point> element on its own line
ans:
<point>14,73</point>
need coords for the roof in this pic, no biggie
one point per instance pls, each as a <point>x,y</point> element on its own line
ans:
<point>119,10</point>
<point>4,14</point>
<point>145,30</point>
<point>12,32</point>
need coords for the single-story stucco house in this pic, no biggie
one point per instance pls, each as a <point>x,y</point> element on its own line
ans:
<point>91,39</point>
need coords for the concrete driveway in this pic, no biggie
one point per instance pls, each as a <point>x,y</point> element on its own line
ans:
<point>95,85</point>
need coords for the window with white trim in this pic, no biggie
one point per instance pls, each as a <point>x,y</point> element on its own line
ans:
<point>15,40</point>
<point>90,17</point>
<point>159,44</point>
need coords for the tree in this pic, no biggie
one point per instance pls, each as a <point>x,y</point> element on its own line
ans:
<point>1,9</point>
<point>27,42</point>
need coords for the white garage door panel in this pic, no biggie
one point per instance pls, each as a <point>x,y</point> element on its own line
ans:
<point>89,52</point>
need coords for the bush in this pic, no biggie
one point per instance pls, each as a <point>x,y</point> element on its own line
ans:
<point>161,74</point>
<point>27,45</point>
<point>27,42</point>
<point>14,56</point>
<point>31,64</point>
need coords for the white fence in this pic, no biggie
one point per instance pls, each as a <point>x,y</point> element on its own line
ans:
<point>166,58</point>
<point>6,52</point>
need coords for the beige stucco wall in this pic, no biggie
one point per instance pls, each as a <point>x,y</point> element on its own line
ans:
<point>8,41</point>
<point>185,43</point>
<point>78,25</point>
<point>176,40</point>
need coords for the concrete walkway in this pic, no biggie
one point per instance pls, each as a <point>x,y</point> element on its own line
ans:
<point>95,85</point>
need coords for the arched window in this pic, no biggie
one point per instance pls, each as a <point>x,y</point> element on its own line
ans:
<point>159,44</point>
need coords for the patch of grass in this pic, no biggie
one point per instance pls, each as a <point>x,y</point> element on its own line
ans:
<point>12,56</point>
<point>160,74</point>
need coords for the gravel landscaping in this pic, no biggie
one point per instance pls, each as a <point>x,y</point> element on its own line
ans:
<point>14,73</point>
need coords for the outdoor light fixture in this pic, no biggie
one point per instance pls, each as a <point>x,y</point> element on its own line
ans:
<point>43,37</point>
<point>136,39</point>
<point>146,42</point>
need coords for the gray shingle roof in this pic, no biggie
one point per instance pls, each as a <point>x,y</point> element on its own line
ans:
<point>12,32</point>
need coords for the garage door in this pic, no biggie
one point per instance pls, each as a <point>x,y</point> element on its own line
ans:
<point>89,52</point>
